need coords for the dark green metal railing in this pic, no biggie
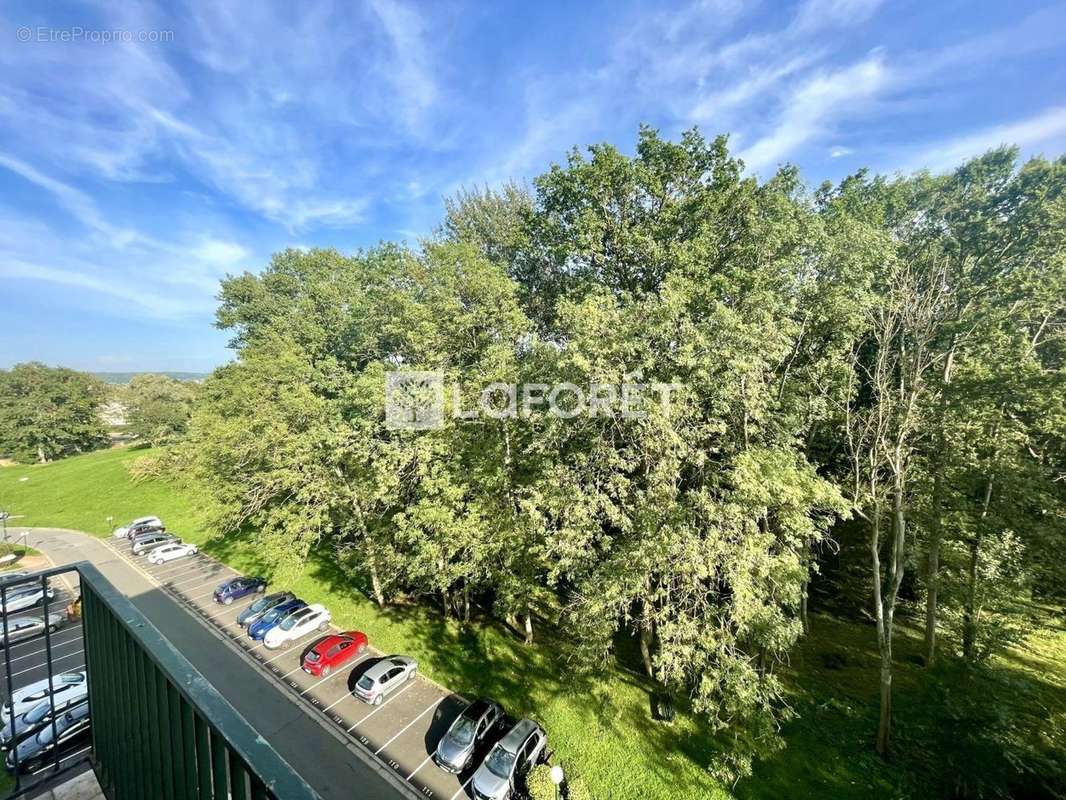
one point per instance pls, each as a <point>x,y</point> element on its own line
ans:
<point>159,729</point>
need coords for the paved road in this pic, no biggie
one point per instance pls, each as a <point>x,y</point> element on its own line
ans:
<point>333,765</point>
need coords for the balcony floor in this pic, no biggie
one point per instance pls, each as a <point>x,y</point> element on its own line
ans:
<point>80,787</point>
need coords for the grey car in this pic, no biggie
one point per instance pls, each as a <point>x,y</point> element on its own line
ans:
<point>41,715</point>
<point>384,677</point>
<point>25,596</point>
<point>469,731</point>
<point>510,758</point>
<point>19,628</point>
<point>150,541</point>
<point>72,727</point>
<point>261,606</point>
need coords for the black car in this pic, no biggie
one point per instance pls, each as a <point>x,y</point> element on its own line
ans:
<point>467,733</point>
<point>145,527</point>
<point>72,731</point>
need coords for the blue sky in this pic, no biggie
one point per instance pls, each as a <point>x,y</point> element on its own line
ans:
<point>135,174</point>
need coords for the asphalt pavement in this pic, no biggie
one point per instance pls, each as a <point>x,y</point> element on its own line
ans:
<point>342,747</point>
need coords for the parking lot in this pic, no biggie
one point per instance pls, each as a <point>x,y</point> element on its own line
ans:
<point>26,662</point>
<point>402,732</point>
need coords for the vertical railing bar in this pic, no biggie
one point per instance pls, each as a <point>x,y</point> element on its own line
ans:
<point>165,751</point>
<point>102,684</point>
<point>51,670</point>
<point>113,720</point>
<point>123,724</point>
<point>148,684</point>
<point>177,748</point>
<point>259,791</point>
<point>238,777</point>
<point>10,688</point>
<point>132,712</point>
<point>203,756</point>
<point>189,743</point>
<point>218,765</point>
<point>88,668</point>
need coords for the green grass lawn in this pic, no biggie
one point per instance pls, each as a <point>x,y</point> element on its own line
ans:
<point>599,727</point>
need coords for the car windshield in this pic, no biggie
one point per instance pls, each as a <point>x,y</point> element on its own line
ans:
<point>62,723</point>
<point>38,712</point>
<point>272,616</point>
<point>264,602</point>
<point>366,682</point>
<point>500,762</point>
<point>290,621</point>
<point>463,732</point>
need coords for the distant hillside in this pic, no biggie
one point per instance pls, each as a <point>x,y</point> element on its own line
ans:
<point>124,377</point>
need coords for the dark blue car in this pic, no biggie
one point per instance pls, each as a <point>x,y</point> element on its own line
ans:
<point>237,588</point>
<point>259,628</point>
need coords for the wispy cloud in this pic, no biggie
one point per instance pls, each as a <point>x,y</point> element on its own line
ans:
<point>1047,129</point>
<point>814,107</point>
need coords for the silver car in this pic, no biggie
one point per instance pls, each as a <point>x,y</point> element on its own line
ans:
<point>19,628</point>
<point>41,714</point>
<point>24,596</point>
<point>469,731</point>
<point>514,755</point>
<point>150,541</point>
<point>384,678</point>
<point>27,697</point>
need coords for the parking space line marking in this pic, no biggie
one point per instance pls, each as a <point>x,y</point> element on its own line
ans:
<point>409,724</point>
<point>183,569</point>
<point>285,650</point>
<point>346,694</point>
<point>65,758</point>
<point>54,646</point>
<point>462,788</point>
<point>196,573</point>
<point>378,708</point>
<point>338,672</point>
<point>39,666</point>
<point>415,772</point>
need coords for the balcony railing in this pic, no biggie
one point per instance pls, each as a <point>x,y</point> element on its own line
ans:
<point>158,728</point>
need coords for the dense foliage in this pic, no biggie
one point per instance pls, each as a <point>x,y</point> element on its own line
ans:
<point>49,412</point>
<point>158,407</point>
<point>888,351</point>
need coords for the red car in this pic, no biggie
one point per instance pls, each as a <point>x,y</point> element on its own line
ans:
<point>333,651</point>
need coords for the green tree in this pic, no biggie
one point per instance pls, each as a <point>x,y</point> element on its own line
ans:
<point>49,412</point>
<point>158,407</point>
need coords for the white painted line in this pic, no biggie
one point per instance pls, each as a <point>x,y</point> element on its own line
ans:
<point>378,708</point>
<point>285,650</point>
<point>419,767</point>
<point>346,694</point>
<point>40,666</point>
<point>64,758</point>
<point>409,724</point>
<point>333,674</point>
<point>462,788</point>
<point>55,644</point>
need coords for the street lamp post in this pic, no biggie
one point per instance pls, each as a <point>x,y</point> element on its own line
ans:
<point>557,778</point>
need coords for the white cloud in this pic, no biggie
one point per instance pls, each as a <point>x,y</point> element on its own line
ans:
<point>814,107</point>
<point>1046,129</point>
<point>839,151</point>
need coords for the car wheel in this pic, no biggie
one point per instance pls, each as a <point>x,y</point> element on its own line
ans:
<point>261,588</point>
<point>286,644</point>
<point>361,650</point>
<point>377,700</point>
<point>53,628</point>
<point>228,601</point>
<point>324,626</point>
<point>326,671</point>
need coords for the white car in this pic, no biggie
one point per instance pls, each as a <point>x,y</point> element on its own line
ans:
<point>303,620</point>
<point>169,552</point>
<point>24,596</point>
<point>120,533</point>
<point>67,684</point>
<point>19,628</point>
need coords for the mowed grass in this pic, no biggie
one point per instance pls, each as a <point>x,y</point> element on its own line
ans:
<point>599,727</point>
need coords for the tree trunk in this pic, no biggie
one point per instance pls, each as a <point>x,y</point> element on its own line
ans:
<point>529,625</point>
<point>932,563</point>
<point>41,457</point>
<point>375,583</point>
<point>647,635</point>
<point>970,612</point>
<point>466,603</point>
<point>803,606</point>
